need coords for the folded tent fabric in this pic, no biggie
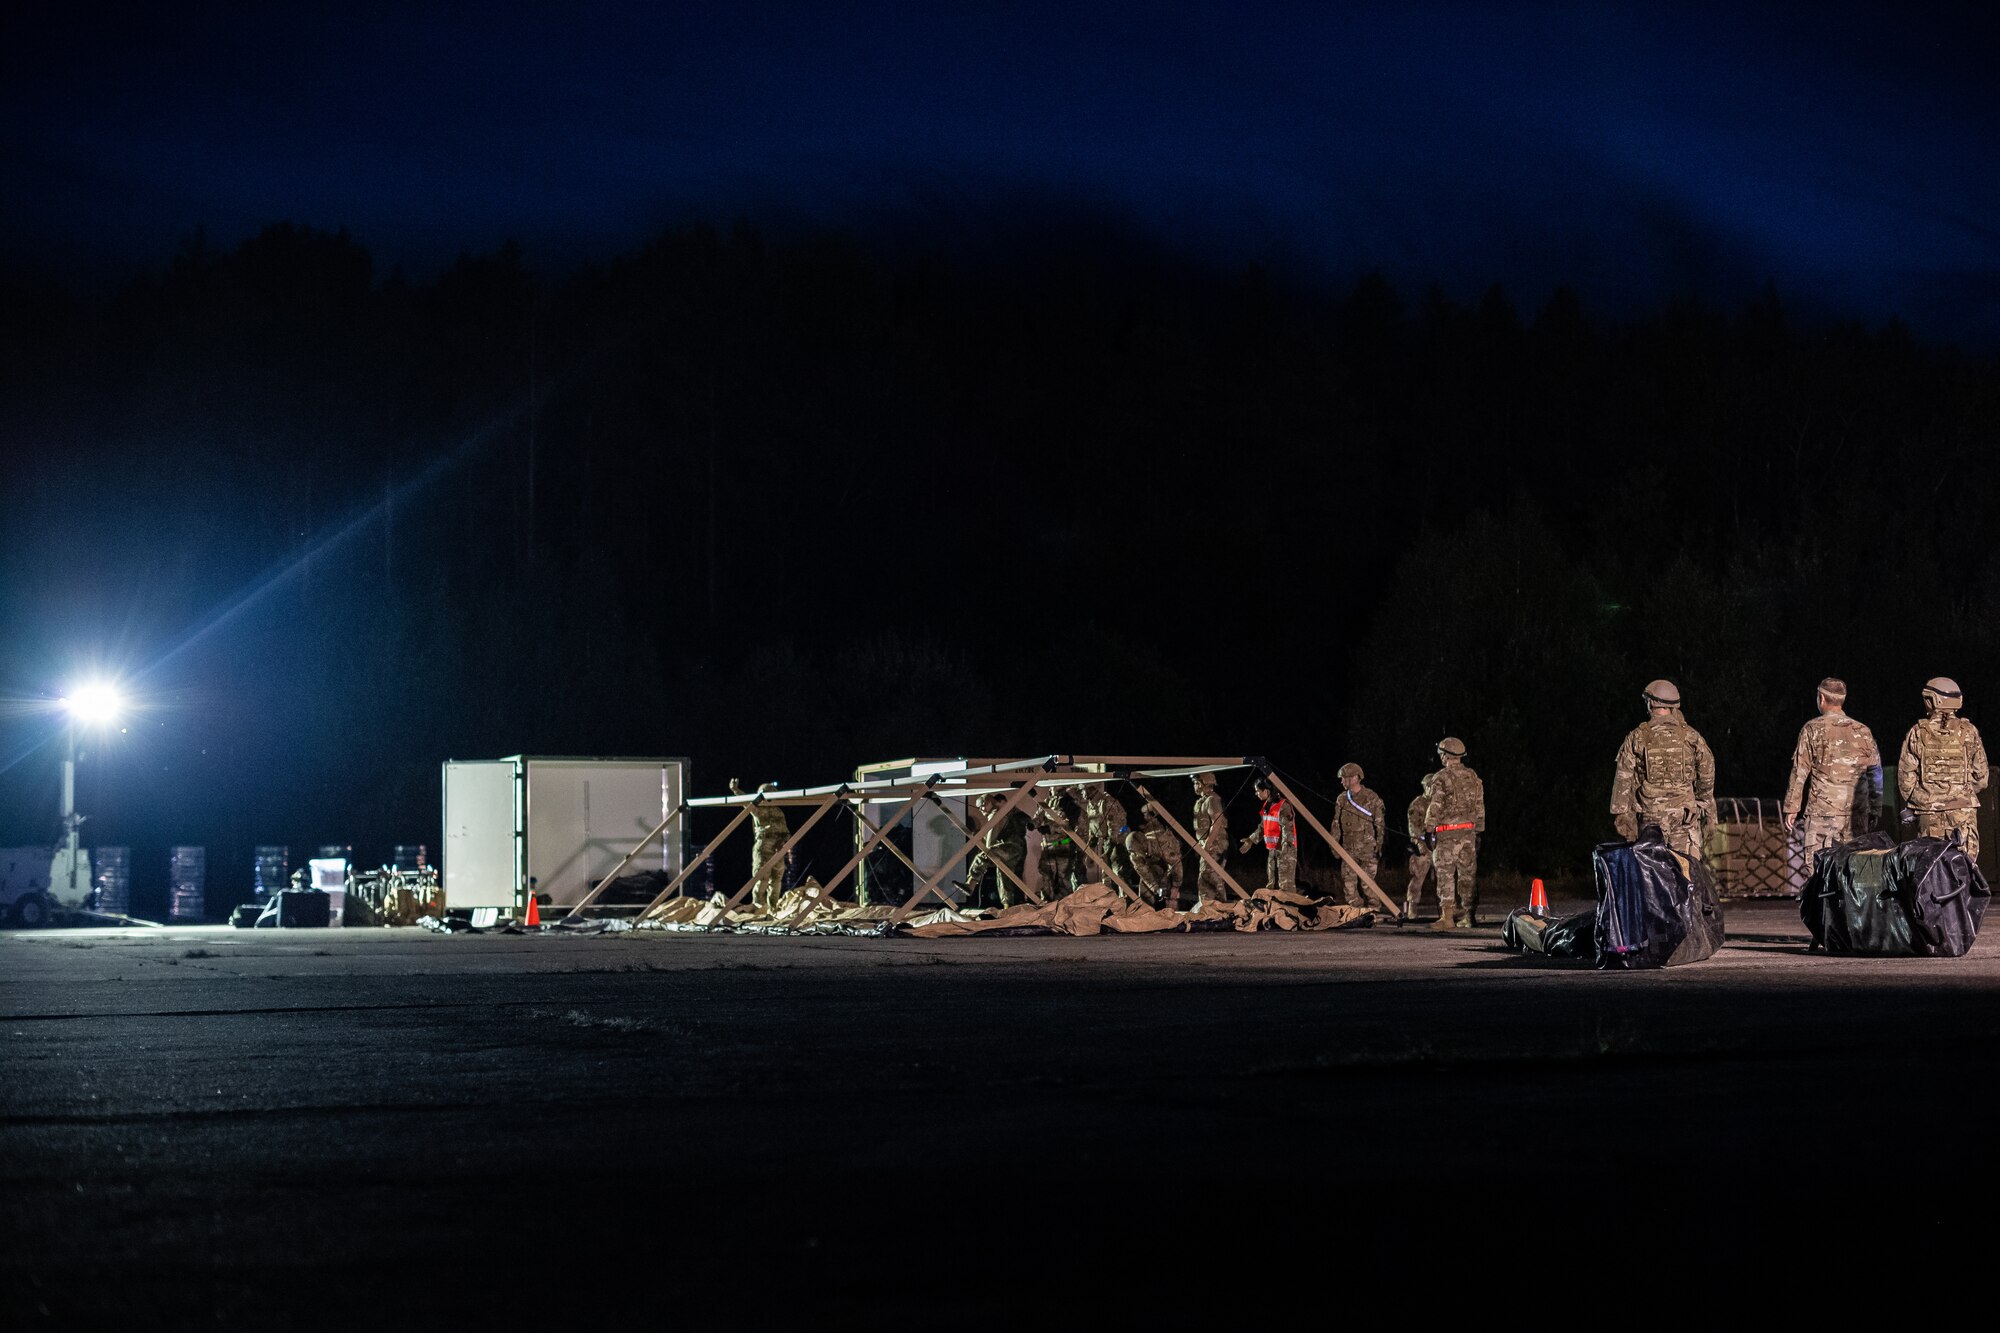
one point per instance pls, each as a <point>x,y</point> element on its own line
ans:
<point>1098,909</point>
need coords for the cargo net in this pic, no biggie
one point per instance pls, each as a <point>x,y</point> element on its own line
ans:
<point>1750,852</point>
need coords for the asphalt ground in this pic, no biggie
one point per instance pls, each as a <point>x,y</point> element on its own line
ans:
<point>389,1128</point>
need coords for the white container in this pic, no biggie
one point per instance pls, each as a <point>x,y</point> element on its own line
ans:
<point>558,823</point>
<point>329,876</point>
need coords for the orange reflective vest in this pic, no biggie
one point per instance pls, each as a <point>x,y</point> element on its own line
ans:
<point>1274,829</point>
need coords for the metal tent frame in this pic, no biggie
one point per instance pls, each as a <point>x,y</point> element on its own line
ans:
<point>1020,780</point>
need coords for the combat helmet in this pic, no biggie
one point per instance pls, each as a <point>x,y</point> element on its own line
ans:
<point>1941,693</point>
<point>1204,779</point>
<point>1350,771</point>
<point>1452,746</point>
<point>1662,694</point>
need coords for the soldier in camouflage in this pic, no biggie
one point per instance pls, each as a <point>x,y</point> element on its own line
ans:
<point>1003,840</point>
<point>1059,858</point>
<point>1454,817</point>
<point>1943,769</point>
<point>1105,814</point>
<point>768,835</point>
<point>1420,852</point>
<point>1360,826</point>
<point>1211,830</point>
<point>1836,787</point>
<point>1278,829</point>
<point>1156,859</point>
<point>1665,776</point>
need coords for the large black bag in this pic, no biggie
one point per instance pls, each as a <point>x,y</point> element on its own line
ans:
<point>1850,904</point>
<point>1925,898</point>
<point>1946,895</point>
<point>1573,936</point>
<point>298,907</point>
<point>1654,907</point>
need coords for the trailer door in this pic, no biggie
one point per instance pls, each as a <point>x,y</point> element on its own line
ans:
<point>481,846</point>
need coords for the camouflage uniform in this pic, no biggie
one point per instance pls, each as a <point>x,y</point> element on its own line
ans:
<point>1211,830</point>
<point>1420,855</point>
<point>1359,824</point>
<point>1058,863</point>
<point>1940,775</point>
<point>1666,776</point>
<point>1457,799</point>
<point>1281,852</point>
<point>1156,859</point>
<point>1002,839</point>
<point>768,835</point>
<point>1107,819</point>
<point>1836,773</point>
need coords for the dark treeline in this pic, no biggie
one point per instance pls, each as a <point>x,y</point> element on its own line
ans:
<point>790,506</point>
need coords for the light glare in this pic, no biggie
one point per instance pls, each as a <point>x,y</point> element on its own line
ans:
<point>97,702</point>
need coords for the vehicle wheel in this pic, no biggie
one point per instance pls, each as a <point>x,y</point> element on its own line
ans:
<point>31,912</point>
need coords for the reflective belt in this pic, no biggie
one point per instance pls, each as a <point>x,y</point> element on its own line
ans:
<point>1452,828</point>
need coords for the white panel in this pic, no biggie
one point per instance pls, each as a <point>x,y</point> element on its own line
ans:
<point>479,865</point>
<point>584,816</point>
<point>933,839</point>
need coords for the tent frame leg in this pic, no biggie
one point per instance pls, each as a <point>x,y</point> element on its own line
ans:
<point>1360,873</point>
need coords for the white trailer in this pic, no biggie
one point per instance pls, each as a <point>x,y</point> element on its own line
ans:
<point>555,824</point>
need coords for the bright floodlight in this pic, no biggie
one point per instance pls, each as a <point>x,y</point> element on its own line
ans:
<point>93,703</point>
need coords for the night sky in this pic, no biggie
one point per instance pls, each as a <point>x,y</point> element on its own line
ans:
<point>1637,152</point>
<point>1169,300</point>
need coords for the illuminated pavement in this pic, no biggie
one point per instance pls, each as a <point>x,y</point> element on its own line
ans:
<point>224,1128</point>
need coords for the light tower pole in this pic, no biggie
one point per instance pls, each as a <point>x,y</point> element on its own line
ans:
<point>71,820</point>
<point>95,705</point>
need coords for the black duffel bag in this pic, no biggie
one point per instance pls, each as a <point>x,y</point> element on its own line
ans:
<point>1655,908</point>
<point>1946,896</point>
<point>1573,936</point>
<point>1925,898</point>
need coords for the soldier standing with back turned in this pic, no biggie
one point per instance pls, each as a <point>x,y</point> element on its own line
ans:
<point>1420,852</point>
<point>1454,817</point>
<point>1836,775</point>
<point>768,835</point>
<point>1665,775</point>
<point>1003,841</point>
<point>1105,814</point>
<point>1211,830</point>
<point>1943,769</point>
<point>1059,851</point>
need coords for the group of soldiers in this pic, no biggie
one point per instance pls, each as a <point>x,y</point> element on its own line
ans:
<point>1444,823</point>
<point>1666,774</point>
<point>1664,779</point>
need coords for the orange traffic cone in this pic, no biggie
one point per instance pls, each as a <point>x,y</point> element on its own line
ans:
<point>535,911</point>
<point>1538,899</point>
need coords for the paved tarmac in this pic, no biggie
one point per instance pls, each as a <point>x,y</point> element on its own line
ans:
<point>215,1128</point>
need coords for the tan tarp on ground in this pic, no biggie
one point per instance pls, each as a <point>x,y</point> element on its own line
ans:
<point>1096,908</point>
<point>804,908</point>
